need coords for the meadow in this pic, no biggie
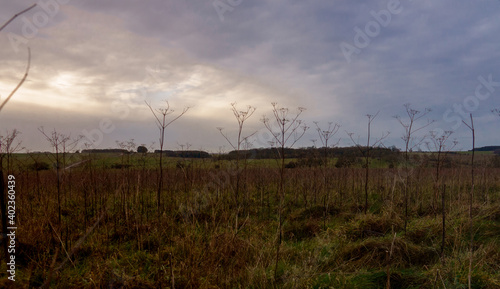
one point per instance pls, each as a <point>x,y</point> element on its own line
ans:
<point>362,217</point>
<point>223,223</point>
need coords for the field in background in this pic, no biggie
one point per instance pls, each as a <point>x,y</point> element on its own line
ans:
<point>101,226</point>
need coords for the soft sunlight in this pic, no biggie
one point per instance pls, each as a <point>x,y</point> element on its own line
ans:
<point>64,80</point>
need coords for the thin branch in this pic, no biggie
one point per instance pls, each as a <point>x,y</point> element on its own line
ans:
<point>154,113</point>
<point>20,83</point>
<point>176,118</point>
<point>379,141</point>
<point>225,136</point>
<point>62,244</point>
<point>17,15</point>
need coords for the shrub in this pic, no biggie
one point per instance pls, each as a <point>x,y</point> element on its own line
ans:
<point>345,161</point>
<point>39,166</point>
<point>142,149</point>
<point>120,166</point>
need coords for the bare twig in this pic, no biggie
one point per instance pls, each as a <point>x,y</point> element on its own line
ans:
<point>471,196</point>
<point>80,241</point>
<point>442,149</point>
<point>286,128</point>
<point>77,246</point>
<point>366,155</point>
<point>389,259</point>
<point>17,15</point>
<point>51,271</point>
<point>2,193</point>
<point>20,82</point>
<point>162,123</point>
<point>62,244</point>
<point>325,135</point>
<point>241,116</point>
<point>410,143</point>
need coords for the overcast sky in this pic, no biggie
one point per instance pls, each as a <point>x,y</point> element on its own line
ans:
<point>94,64</point>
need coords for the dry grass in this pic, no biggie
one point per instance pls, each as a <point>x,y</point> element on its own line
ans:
<point>203,241</point>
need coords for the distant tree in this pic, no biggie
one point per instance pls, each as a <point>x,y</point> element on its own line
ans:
<point>39,166</point>
<point>345,161</point>
<point>142,149</point>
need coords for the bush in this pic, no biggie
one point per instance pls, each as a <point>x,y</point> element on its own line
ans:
<point>495,161</point>
<point>120,166</point>
<point>39,166</point>
<point>142,149</point>
<point>345,161</point>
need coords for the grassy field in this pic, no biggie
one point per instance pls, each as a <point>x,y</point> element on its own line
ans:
<point>100,225</point>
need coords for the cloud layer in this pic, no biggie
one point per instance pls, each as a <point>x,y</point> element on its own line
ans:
<point>95,61</point>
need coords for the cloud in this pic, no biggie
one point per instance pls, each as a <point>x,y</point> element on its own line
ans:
<point>98,60</point>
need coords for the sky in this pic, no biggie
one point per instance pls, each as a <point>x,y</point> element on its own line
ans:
<point>95,65</point>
